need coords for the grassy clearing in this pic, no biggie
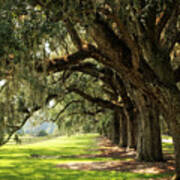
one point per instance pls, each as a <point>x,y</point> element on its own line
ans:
<point>167,145</point>
<point>167,137</point>
<point>29,139</point>
<point>17,163</point>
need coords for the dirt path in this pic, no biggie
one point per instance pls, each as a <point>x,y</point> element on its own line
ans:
<point>124,161</point>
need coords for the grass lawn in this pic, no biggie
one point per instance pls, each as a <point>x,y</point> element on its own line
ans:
<point>22,162</point>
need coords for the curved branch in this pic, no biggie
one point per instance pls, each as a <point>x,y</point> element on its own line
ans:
<point>98,101</point>
<point>15,128</point>
<point>164,17</point>
<point>65,62</point>
<point>64,109</point>
<point>62,63</point>
<point>170,30</point>
<point>27,116</point>
<point>104,74</point>
<point>125,36</point>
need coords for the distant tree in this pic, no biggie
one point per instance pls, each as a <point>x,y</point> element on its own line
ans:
<point>17,139</point>
<point>42,133</point>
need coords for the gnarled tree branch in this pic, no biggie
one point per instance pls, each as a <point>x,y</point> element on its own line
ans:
<point>98,101</point>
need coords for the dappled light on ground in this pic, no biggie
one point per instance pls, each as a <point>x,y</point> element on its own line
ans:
<point>76,158</point>
<point>125,161</point>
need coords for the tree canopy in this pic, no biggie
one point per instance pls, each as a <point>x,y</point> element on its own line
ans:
<point>115,59</point>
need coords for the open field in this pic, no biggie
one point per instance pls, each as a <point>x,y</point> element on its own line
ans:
<point>75,158</point>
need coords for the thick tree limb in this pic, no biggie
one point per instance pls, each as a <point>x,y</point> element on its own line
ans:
<point>126,37</point>
<point>92,70</point>
<point>170,30</point>
<point>65,62</point>
<point>86,113</point>
<point>118,53</point>
<point>98,101</point>
<point>175,39</point>
<point>104,74</point>
<point>116,84</point>
<point>162,20</point>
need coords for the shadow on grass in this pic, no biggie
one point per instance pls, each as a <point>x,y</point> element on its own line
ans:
<point>168,148</point>
<point>17,163</point>
<point>47,171</point>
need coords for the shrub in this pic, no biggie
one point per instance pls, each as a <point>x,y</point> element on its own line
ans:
<point>42,133</point>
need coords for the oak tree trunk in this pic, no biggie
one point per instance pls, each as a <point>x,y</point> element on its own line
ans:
<point>123,131</point>
<point>176,140</point>
<point>149,146</point>
<point>131,128</point>
<point>174,120</point>
<point>115,128</point>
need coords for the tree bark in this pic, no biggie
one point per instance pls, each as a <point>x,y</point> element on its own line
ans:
<point>132,131</point>
<point>174,120</point>
<point>149,146</point>
<point>131,126</point>
<point>176,140</point>
<point>123,131</point>
<point>2,131</point>
<point>115,127</point>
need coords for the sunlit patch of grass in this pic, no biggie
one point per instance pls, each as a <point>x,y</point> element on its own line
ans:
<point>167,146</point>
<point>17,162</point>
<point>166,137</point>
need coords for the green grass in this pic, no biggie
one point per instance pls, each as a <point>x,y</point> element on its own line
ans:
<point>167,137</point>
<point>16,162</point>
<point>27,139</point>
<point>167,146</point>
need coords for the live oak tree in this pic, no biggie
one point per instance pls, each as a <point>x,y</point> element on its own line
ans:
<point>133,38</point>
<point>109,93</point>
